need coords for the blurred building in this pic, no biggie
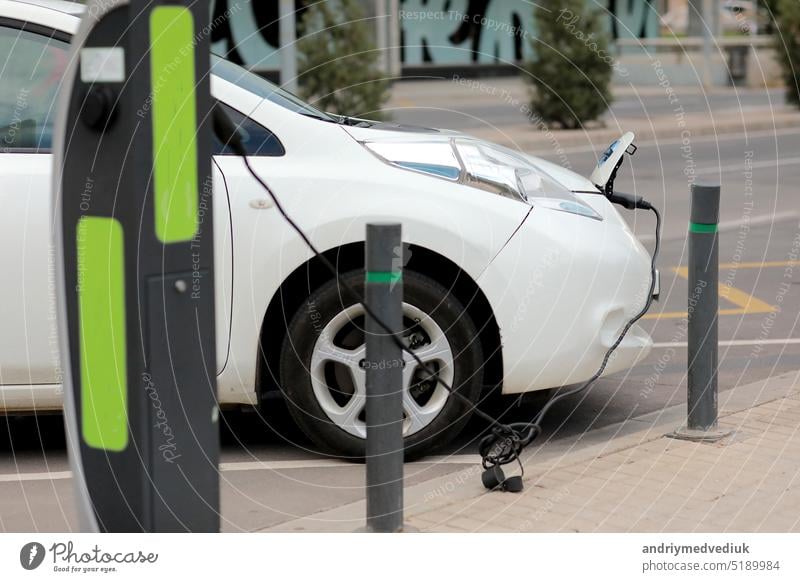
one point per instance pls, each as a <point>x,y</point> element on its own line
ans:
<point>485,37</point>
<point>446,33</point>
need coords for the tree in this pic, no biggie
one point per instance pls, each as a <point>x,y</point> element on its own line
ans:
<point>338,61</point>
<point>787,45</point>
<point>571,74</point>
<point>768,11</point>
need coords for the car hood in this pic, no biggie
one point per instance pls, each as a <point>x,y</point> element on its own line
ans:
<point>391,132</point>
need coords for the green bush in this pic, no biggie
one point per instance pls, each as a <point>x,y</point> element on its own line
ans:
<point>571,73</point>
<point>787,45</point>
<point>338,61</point>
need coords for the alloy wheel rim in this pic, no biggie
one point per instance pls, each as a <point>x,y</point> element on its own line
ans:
<point>338,374</point>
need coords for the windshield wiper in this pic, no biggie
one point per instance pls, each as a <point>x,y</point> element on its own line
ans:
<point>354,122</point>
<point>317,116</point>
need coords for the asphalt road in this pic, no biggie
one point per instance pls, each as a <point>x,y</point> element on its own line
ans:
<point>759,334</point>
<point>755,172</point>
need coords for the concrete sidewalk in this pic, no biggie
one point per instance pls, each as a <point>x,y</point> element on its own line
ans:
<point>497,109</point>
<point>630,478</point>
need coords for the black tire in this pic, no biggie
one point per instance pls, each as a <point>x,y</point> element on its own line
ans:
<point>423,293</point>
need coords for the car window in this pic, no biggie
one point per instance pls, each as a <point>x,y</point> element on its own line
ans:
<point>260,87</point>
<point>31,68</point>
<point>257,140</point>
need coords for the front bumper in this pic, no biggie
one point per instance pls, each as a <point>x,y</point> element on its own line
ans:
<point>562,289</point>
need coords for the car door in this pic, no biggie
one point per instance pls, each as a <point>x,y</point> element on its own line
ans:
<point>31,70</point>
<point>245,322</point>
<point>32,64</point>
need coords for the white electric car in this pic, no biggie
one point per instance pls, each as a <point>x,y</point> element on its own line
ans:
<point>518,274</point>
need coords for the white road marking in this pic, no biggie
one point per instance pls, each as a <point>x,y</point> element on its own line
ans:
<point>256,466</point>
<point>281,465</point>
<point>728,225</point>
<point>758,220</point>
<point>53,476</point>
<point>599,147</point>
<point>736,343</point>
<point>740,167</point>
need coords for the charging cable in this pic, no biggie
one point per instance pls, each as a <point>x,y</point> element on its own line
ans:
<point>505,442</point>
<point>502,447</point>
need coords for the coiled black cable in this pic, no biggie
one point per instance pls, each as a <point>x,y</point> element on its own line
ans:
<point>505,443</point>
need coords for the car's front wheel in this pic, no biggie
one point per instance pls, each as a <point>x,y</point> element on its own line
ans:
<point>324,380</point>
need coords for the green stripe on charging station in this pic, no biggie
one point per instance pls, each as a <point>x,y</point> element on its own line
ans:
<point>384,276</point>
<point>174,106</point>
<point>101,319</point>
<point>702,228</point>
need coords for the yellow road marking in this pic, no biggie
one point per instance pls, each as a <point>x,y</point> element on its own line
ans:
<point>746,303</point>
<point>758,265</point>
<point>684,314</point>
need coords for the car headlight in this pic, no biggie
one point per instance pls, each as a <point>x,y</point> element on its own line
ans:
<point>485,166</point>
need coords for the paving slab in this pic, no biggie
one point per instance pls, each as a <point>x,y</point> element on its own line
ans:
<point>628,477</point>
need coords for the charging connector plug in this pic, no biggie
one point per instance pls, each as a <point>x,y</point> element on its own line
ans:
<point>629,201</point>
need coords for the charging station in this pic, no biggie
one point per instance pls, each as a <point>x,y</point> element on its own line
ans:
<point>134,242</point>
<point>132,202</point>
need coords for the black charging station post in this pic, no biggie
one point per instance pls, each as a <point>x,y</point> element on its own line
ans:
<point>384,379</point>
<point>133,214</point>
<point>703,314</point>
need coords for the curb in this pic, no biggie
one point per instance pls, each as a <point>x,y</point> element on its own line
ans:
<point>465,484</point>
<point>526,138</point>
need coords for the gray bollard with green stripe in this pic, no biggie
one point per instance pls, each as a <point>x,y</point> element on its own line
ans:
<point>133,205</point>
<point>384,379</point>
<point>703,314</point>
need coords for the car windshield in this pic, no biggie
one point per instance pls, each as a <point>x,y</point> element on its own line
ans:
<point>257,85</point>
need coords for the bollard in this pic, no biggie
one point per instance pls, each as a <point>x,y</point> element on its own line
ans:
<point>384,380</point>
<point>703,314</point>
